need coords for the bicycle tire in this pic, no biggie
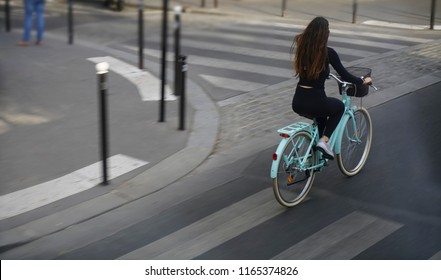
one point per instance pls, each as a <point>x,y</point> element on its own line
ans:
<point>288,186</point>
<point>355,143</point>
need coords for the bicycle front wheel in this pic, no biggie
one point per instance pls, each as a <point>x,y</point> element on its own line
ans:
<point>355,143</point>
<point>294,171</point>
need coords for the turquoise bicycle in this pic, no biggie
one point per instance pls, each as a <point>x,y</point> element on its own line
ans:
<point>296,161</point>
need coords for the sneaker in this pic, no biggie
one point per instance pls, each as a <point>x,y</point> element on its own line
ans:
<point>324,147</point>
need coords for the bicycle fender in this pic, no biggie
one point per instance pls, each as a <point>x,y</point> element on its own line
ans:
<point>287,133</point>
<point>278,152</point>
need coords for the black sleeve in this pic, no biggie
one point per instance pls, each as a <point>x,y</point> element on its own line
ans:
<point>335,61</point>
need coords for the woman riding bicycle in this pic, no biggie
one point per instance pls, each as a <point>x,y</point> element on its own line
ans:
<point>311,65</point>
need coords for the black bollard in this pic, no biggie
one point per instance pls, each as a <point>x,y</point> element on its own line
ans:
<point>163,60</point>
<point>7,16</point>
<point>202,3</point>
<point>70,21</point>
<point>141,33</point>
<point>354,11</point>
<point>184,68</point>
<point>178,10</point>
<point>283,7</point>
<point>102,69</point>
<point>215,3</point>
<point>432,14</point>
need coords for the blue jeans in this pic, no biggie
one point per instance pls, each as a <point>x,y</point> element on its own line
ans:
<point>32,6</point>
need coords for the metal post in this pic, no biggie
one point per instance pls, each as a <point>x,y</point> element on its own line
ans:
<point>178,10</point>
<point>70,22</point>
<point>203,3</point>
<point>215,3</point>
<point>141,33</point>
<point>283,7</point>
<point>163,60</point>
<point>432,15</point>
<point>354,11</point>
<point>102,69</point>
<point>7,16</point>
<point>183,66</point>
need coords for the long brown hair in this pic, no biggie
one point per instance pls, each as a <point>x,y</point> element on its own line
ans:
<point>311,51</point>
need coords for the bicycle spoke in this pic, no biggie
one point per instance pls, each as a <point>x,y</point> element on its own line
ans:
<point>355,143</point>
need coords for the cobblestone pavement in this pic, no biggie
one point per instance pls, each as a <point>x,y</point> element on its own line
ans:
<point>260,113</point>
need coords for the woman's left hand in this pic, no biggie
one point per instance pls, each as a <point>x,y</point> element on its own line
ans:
<point>367,80</point>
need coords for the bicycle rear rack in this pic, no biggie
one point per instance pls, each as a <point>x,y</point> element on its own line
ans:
<point>291,129</point>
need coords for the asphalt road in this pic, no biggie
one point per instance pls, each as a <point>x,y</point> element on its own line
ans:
<point>398,191</point>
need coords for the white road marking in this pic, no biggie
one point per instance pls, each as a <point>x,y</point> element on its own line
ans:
<point>287,43</point>
<point>24,200</point>
<point>232,84</point>
<point>333,31</point>
<point>213,230</point>
<point>147,84</point>
<point>224,64</point>
<point>342,239</point>
<point>400,25</point>
<point>206,45</point>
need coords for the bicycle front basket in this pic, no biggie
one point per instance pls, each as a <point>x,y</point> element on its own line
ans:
<point>357,90</point>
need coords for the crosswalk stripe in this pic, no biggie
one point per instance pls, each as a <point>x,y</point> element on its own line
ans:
<point>363,43</point>
<point>343,239</point>
<point>381,36</point>
<point>400,25</point>
<point>203,44</point>
<point>337,31</point>
<point>212,230</point>
<point>360,241</point>
<point>24,200</point>
<point>354,52</point>
<point>207,35</point>
<point>147,84</point>
<point>288,42</point>
<point>275,55</point>
<point>233,84</point>
<point>223,63</point>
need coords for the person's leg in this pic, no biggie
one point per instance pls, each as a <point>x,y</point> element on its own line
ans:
<point>39,8</point>
<point>27,24</point>
<point>321,124</point>
<point>335,110</point>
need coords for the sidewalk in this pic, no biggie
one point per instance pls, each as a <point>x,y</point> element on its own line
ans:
<point>213,126</point>
<point>44,77</point>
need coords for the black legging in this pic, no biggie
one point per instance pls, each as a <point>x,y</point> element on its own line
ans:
<point>314,102</point>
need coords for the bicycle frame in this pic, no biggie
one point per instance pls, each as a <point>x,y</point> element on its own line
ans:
<point>288,132</point>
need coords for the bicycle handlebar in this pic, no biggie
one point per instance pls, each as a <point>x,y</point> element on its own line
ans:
<point>344,83</point>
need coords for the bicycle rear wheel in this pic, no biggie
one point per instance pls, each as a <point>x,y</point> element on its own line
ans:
<point>355,143</point>
<point>294,179</point>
